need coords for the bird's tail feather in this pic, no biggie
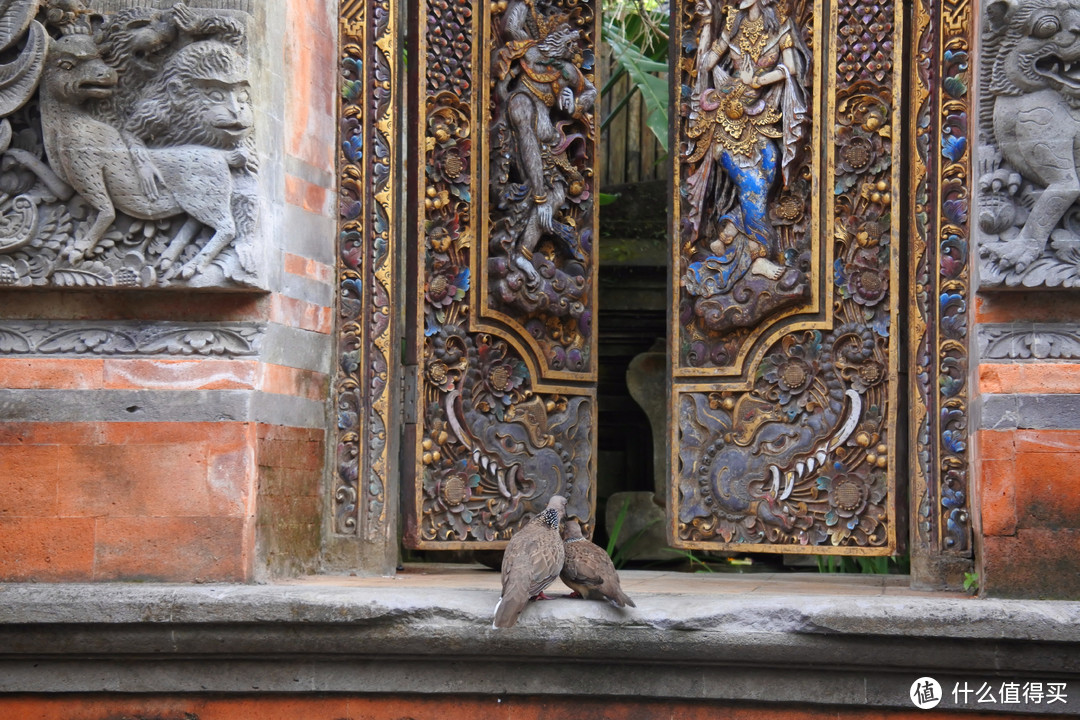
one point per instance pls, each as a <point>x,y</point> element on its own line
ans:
<point>508,609</point>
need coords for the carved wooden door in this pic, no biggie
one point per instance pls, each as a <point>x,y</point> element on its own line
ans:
<point>501,358</point>
<point>785,291</point>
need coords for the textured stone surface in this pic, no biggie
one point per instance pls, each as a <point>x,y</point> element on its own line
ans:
<point>1037,412</point>
<point>1037,563</point>
<point>686,640</point>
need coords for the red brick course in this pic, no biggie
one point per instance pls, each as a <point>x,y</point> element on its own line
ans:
<point>381,707</point>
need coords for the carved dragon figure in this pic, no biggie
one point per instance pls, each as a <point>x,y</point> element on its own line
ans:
<point>784,464</point>
<point>1033,49</point>
<point>519,448</point>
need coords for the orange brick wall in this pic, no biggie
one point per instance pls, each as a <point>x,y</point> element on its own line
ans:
<point>430,708</point>
<point>1028,477</point>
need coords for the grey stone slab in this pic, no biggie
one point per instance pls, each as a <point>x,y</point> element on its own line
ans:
<point>307,289</point>
<point>125,405</point>
<point>307,234</point>
<point>274,409</point>
<point>1030,412</point>
<point>1040,412</point>
<point>836,650</point>
<point>997,412</point>
<point>315,176</point>
<point>296,348</point>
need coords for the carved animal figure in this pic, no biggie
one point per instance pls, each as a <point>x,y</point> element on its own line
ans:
<point>532,561</point>
<point>111,170</point>
<point>1035,78</point>
<point>587,569</point>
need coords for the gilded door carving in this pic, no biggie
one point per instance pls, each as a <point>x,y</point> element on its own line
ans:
<point>502,219</point>
<point>785,291</point>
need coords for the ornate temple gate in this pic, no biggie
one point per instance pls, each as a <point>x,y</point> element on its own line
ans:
<point>501,354</point>
<point>785,342</point>
<point>787,275</point>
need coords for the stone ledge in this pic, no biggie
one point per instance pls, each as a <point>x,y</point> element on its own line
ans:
<point>374,637</point>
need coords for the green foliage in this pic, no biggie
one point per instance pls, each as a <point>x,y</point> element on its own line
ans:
<point>883,565</point>
<point>636,30</point>
<point>621,556</point>
<point>971,582</point>
<point>693,559</point>
<point>606,198</point>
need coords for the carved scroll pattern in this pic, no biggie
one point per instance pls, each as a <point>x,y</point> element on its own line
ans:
<point>799,454</point>
<point>119,168</point>
<point>365,333</point>
<point>941,281</point>
<point>493,440</point>
<point>127,339</point>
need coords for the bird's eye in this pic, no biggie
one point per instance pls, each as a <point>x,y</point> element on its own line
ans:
<point>1046,26</point>
<point>65,64</point>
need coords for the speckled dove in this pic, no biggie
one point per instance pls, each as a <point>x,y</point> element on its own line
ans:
<point>532,561</point>
<point>588,571</point>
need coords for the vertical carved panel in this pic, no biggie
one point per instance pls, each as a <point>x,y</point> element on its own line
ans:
<point>786,276</point>
<point>941,282</point>
<point>501,331</point>
<point>365,332</point>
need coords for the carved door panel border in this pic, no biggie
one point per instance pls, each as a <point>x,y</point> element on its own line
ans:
<point>786,277</point>
<point>500,347</point>
<point>363,498</point>
<point>939,227</point>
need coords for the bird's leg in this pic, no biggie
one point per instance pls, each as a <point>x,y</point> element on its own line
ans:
<point>542,596</point>
<point>575,594</point>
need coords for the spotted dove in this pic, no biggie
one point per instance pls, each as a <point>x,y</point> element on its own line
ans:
<point>532,561</point>
<point>588,570</point>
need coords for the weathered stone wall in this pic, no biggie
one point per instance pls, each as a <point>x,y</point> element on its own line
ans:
<point>156,433</point>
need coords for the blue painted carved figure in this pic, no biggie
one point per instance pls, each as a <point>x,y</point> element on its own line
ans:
<point>748,111</point>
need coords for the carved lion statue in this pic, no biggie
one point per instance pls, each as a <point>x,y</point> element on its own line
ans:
<point>1034,59</point>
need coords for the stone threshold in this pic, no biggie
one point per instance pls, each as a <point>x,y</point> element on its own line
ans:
<point>830,640</point>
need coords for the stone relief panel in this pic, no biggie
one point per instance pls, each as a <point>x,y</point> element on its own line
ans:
<point>1029,130</point>
<point>127,157</point>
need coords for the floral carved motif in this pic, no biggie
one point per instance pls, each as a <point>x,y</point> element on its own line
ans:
<point>126,150</point>
<point>118,339</point>
<point>365,259</point>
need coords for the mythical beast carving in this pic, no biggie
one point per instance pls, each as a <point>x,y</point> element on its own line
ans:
<point>496,450</point>
<point>800,459</point>
<point>149,172</point>
<point>1030,144</point>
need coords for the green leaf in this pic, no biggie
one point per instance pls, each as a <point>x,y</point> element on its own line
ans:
<point>606,198</point>
<point>653,89</point>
